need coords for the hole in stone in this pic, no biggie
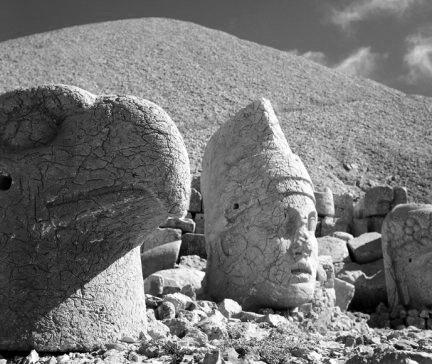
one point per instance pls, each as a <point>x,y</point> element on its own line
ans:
<point>236,206</point>
<point>410,260</point>
<point>5,182</point>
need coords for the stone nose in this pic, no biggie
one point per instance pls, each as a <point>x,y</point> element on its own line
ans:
<point>302,246</point>
<point>5,181</point>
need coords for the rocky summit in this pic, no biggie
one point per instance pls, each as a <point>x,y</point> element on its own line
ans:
<point>349,132</point>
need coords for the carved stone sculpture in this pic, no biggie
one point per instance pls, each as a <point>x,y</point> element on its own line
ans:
<point>407,252</point>
<point>260,214</point>
<point>83,181</point>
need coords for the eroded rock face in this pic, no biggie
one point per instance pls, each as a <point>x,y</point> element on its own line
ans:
<point>83,181</point>
<point>407,252</point>
<point>260,214</point>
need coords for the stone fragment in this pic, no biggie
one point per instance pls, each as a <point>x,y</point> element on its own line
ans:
<point>214,357</point>
<point>366,248</point>
<point>274,320</point>
<point>159,237</point>
<point>166,310</point>
<point>193,244</point>
<point>152,301</point>
<point>229,308</point>
<point>179,300</point>
<point>344,293</point>
<point>343,236</point>
<point>186,225</point>
<point>199,223</point>
<point>85,179</point>
<point>214,326</point>
<point>261,247</point>
<point>344,206</point>
<point>248,316</point>
<point>193,261</point>
<point>334,247</point>
<point>154,284</point>
<point>178,326</point>
<point>324,202</point>
<point>407,251</point>
<point>378,201</point>
<point>369,282</point>
<point>195,204</point>
<point>207,306</point>
<point>400,195</point>
<point>193,317</point>
<point>189,291</point>
<point>360,226</point>
<point>175,278</point>
<point>159,258</point>
<point>326,262</point>
<point>330,225</point>
<point>194,338</point>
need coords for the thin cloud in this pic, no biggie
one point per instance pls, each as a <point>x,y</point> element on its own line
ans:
<point>418,58</point>
<point>318,57</point>
<point>361,10</point>
<point>363,62</point>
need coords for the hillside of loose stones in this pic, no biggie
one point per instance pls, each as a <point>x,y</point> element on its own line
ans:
<point>202,76</point>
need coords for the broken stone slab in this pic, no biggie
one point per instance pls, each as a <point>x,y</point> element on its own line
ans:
<point>334,247</point>
<point>199,223</point>
<point>360,226</point>
<point>366,248</point>
<point>193,261</point>
<point>229,308</point>
<point>375,224</point>
<point>186,225</point>
<point>193,244</point>
<point>330,225</point>
<point>173,279</point>
<point>159,237</point>
<point>260,228</point>
<point>89,178</point>
<point>324,202</point>
<point>344,293</point>
<point>369,282</point>
<point>195,203</point>
<point>344,206</point>
<point>378,201</point>
<point>159,258</point>
<point>343,236</point>
<point>407,251</point>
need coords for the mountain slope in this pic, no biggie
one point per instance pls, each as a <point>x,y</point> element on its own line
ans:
<point>202,76</point>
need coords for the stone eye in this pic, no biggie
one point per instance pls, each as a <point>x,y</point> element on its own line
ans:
<point>5,182</point>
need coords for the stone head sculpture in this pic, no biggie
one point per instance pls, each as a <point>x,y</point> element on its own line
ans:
<point>260,214</point>
<point>407,252</point>
<point>83,179</point>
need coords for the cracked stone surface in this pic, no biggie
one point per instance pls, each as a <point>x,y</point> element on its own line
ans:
<point>83,180</point>
<point>260,214</point>
<point>407,252</point>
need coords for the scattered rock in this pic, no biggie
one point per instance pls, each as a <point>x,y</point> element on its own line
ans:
<point>195,204</point>
<point>193,261</point>
<point>334,247</point>
<point>175,279</point>
<point>159,237</point>
<point>324,202</point>
<point>229,308</point>
<point>193,244</point>
<point>166,310</point>
<point>179,300</point>
<point>366,248</point>
<point>184,224</point>
<point>344,292</point>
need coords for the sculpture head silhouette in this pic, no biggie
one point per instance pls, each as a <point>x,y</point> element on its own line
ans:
<point>260,214</point>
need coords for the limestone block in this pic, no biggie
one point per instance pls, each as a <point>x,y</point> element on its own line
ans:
<point>195,203</point>
<point>199,223</point>
<point>162,257</point>
<point>336,248</point>
<point>344,293</point>
<point>369,282</point>
<point>366,248</point>
<point>378,201</point>
<point>324,202</point>
<point>260,214</point>
<point>407,251</point>
<point>193,244</point>
<point>88,178</point>
<point>186,225</point>
<point>159,237</point>
<point>174,279</point>
<point>229,307</point>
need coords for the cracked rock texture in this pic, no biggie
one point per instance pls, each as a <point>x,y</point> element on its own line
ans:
<point>83,180</point>
<point>260,214</point>
<point>407,252</point>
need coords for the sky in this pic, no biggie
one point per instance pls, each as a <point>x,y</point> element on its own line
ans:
<point>389,41</point>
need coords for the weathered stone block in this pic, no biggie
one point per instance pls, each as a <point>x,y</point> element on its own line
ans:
<point>375,224</point>
<point>334,247</point>
<point>330,225</point>
<point>400,195</point>
<point>344,206</point>
<point>159,237</point>
<point>366,248</point>
<point>161,257</point>
<point>195,203</point>
<point>84,179</point>
<point>344,293</point>
<point>326,262</point>
<point>378,201</point>
<point>407,251</point>
<point>199,223</point>
<point>360,226</point>
<point>175,278</point>
<point>193,244</point>
<point>186,225</point>
<point>324,202</point>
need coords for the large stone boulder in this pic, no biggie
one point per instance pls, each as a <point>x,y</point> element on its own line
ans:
<point>84,179</point>
<point>260,214</point>
<point>407,252</point>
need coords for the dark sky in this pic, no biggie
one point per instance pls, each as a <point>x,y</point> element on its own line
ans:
<point>386,40</point>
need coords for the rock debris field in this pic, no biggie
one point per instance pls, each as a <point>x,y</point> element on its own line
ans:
<point>243,215</point>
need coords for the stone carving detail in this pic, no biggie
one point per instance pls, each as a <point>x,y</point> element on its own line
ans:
<point>83,179</point>
<point>260,214</point>
<point>407,252</point>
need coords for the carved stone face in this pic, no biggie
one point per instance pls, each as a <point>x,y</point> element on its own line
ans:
<point>83,179</point>
<point>407,250</point>
<point>260,214</point>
